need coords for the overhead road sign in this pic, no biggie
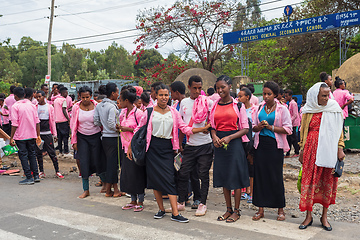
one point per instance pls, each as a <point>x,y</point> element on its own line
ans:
<point>309,25</point>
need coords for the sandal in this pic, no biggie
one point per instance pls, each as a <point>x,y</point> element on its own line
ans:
<point>138,208</point>
<point>231,219</point>
<point>99,184</point>
<point>257,216</point>
<point>128,206</point>
<point>222,218</point>
<point>281,217</point>
<point>109,195</point>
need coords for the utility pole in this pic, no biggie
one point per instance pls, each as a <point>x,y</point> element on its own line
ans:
<point>49,39</point>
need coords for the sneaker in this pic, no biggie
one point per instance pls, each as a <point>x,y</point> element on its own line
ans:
<point>179,218</point>
<point>195,205</point>
<point>244,196</point>
<point>249,199</point>
<point>160,214</point>
<point>59,175</point>
<point>26,181</point>
<point>36,178</point>
<point>41,175</point>
<point>201,210</point>
<point>180,207</point>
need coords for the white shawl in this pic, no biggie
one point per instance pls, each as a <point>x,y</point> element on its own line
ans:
<point>330,127</point>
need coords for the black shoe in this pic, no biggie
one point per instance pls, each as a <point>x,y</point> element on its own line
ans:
<point>160,214</point>
<point>325,227</point>
<point>36,178</point>
<point>179,218</point>
<point>302,227</point>
<point>27,181</point>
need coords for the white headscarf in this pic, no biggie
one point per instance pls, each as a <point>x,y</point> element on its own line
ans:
<point>330,127</point>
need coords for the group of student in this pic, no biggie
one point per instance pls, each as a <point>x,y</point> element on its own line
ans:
<point>29,118</point>
<point>243,139</point>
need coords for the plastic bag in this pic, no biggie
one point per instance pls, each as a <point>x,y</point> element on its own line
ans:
<point>299,180</point>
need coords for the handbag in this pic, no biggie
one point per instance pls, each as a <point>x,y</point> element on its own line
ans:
<point>178,161</point>
<point>338,170</point>
<point>138,142</point>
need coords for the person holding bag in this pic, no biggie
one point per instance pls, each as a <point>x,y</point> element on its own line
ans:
<point>161,142</point>
<point>321,147</point>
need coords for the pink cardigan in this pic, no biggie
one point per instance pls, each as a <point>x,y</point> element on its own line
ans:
<point>177,124</point>
<point>282,119</point>
<point>243,119</point>
<point>294,113</point>
<point>74,121</point>
<point>129,121</point>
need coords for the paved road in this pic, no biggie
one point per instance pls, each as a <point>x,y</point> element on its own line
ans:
<point>51,210</point>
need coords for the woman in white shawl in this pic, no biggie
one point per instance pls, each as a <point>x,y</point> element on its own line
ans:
<point>321,146</point>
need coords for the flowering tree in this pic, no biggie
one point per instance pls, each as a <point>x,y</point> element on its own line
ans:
<point>199,24</point>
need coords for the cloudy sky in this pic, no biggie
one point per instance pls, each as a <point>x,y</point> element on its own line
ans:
<point>89,17</point>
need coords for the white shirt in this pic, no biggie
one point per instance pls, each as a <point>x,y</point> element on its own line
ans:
<point>197,139</point>
<point>162,125</point>
<point>43,112</point>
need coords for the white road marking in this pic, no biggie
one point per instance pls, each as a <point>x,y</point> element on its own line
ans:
<point>265,226</point>
<point>98,225</point>
<point>9,235</point>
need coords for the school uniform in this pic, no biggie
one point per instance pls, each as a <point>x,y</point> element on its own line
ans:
<point>198,152</point>
<point>5,123</point>
<point>87,136</point>
<point>62,124</point>
<point>24,116</point>
<point>47,131</point>
<point>295,120</point>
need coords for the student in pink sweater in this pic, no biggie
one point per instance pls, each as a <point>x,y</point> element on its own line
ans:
<point>62,120</point>
<point>25,130</point>
<point>295,120</point>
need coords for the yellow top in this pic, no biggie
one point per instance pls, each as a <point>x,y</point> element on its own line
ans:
<point>305,122</point>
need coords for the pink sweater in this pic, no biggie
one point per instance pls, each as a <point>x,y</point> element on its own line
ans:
<point>282,119</point>
<point>294,113</point>
<point>74,121</point>
<point>25,117</point>
<point>243,119</point>
<point>178,123</point>
<point>130,122</point>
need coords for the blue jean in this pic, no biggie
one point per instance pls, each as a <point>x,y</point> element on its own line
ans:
<point>27,157</point>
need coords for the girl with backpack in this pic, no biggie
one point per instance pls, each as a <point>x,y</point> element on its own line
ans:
<point>132,176</point>
<point>161,142</point>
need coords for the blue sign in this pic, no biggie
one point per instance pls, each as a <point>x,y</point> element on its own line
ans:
<point>288,10</point>
<point>309,25</point>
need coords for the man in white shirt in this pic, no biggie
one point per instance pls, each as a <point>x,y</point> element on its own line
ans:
<point>199,148</point>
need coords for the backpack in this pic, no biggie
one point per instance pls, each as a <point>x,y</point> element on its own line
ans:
<point>138,142</point>
<point>247,145</point>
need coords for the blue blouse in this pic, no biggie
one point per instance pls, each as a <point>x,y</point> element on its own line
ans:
<point>270,118</point>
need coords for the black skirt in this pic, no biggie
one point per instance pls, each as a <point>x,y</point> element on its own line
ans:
<point>268,174</point>
<point>231,166</point>
<point>112,152</point>
<point>90,154</point>
<point>160,169</point>
<point>132,176</point>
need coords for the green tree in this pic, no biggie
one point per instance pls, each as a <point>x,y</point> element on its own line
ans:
<point>148,59</point>
<point>9,70</point>
<point>33,63</point>
<point>117,61</point>
<point>72,59</point>
<point>102,75</point>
